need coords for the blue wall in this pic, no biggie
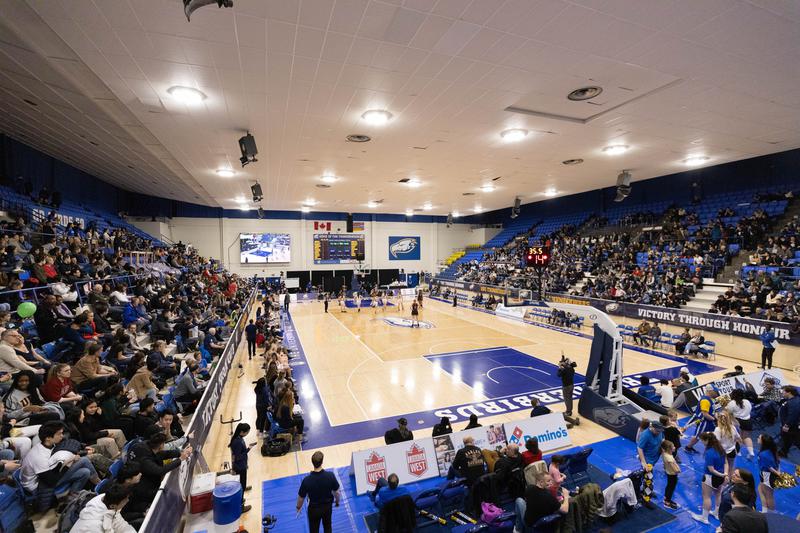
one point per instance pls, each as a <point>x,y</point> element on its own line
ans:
<point>75,185</point>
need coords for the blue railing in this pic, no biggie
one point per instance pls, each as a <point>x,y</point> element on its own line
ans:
<point>35,293</point>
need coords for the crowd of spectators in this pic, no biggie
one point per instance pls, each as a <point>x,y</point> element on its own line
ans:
<point>87,382</point>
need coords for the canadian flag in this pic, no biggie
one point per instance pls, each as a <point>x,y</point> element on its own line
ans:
<point>322,226</point>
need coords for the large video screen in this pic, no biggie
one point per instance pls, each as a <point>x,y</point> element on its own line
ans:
<point>337,248</point>
<point>265,248</point>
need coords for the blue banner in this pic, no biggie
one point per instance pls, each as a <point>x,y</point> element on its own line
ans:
<point>404,248</point>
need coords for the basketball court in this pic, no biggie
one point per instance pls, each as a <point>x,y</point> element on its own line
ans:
<point>360,371</point>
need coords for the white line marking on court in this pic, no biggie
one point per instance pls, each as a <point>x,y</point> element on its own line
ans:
<point>465,352</point>
<point>350,376</point>
<point>512,366</point>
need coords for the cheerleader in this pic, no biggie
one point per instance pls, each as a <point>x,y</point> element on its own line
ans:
<point>400,305</point>
<point>381,302</point>
<point>769,466</point>
<point>374,303</point>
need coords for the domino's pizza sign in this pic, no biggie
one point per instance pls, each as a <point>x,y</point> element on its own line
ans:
<point>404,248</point>
<point>550,430</point>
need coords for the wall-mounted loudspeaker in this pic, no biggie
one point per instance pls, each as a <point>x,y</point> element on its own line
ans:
<point>349,223</point>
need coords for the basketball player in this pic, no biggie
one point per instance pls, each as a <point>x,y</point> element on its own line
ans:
<point>414,314</point>
<point>374,302</point>
<point>357,300</point>
<point>419,298</point>
<point>327,299</point>
<point>342,308</point>
<point>381,301</point>
<point>399,304</point>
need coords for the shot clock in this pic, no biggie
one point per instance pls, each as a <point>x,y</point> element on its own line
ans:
<point>538,256</point>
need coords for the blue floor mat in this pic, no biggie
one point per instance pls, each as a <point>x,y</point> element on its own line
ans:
<point>279,495</point>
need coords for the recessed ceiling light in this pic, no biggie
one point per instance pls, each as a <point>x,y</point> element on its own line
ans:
<point>409,212</point>
<point>305,209</point>
<point>696,160</point>
<point>376,117</point>
<point>427,206</point>
<point>585,93</point>
<point>329,178</point>
<point>240,199</point>
<point>487,188</point>
<point>414,183</point>
<point>372,205</point>
<point>225,173</point>
<point>187,95</point>
<point>455,214</point>
<point>615,149</point>
<point>576,161</point>
<point>358,138</point>
<point>550,193</point>
<point>310,202</point>
<point>513,135</point>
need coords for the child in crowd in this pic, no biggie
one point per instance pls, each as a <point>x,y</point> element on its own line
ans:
<point>672,469</point>
<point>672,432</point>
<point>555,473</point>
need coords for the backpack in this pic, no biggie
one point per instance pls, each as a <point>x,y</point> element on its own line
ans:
<point>72,511</point>
<point>490,512</point>
<point>275,447</point>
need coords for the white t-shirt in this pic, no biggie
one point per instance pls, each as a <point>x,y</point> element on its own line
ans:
<point>742,413</point>
<point>728,443</point>
<point>667,394</point>
<point>37,461</point>
<point>120,297</point>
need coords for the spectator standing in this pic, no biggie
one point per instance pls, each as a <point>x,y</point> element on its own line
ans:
<point>322,490</point>
<point>648,446</point>
<point>768,346</point>
<point>566,371</point>
<point>671,469</point>
<point>251,332</point>
<point>239,451</point>
<point>789,414</point>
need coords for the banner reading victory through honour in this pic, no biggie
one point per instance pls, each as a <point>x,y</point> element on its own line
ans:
<point>412,461</point>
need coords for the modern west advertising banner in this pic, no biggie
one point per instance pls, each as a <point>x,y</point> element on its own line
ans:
<point>489,438</point>
<point>412,461</point>
<point>404,248</point>
<point>753,381</point>
<point>550,430</point>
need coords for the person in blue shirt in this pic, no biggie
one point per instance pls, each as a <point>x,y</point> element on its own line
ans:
<point>392,492</point>
<point>251,332</point>
<point>715,473</point>
<point>647,390</point>
<point>769,466</point>
<point>239,451</point>
<point>767,351</point>
<point>649,445</point>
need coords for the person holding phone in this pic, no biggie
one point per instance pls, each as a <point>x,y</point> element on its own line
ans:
<point>239,451</point>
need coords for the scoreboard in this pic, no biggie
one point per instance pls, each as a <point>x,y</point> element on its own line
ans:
<point>337,248</point>
<point>537,256</point>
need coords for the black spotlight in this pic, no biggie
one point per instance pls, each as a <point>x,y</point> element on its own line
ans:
<point>515,209</point>
<point>260,212</point>
<point>190,6</point>
<point>449,219</point>
<point>256,190</point>
<point>247,145</point>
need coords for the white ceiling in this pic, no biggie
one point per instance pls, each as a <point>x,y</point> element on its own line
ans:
<point>681,77</point>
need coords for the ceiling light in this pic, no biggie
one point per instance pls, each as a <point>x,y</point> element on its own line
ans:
<point>187,95</point>
<point>409,213</point>
<point>513,135</point>
<point>478,209</point>
<point>329,178</point>
<point>225,173</point>
<point>305,209</point>
<point>414,183</point>
<point>310,202</point>
<point>244,207</point>
<point>576,161</point>
<point>585,93</point>
<point>372,205</point>
<point>487,188</point>
<point>376,117</point>
<point>240,199</point>
<point>550,193</point>
<point>427,206</point>
<point>696,160</point>
<point>615,149</point>
<point>456,214</point>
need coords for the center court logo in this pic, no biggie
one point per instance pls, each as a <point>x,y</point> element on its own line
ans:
<point>417,462</point>
<point>401,322</point>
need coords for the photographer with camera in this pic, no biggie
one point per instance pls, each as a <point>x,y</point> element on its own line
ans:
<point>566,371</point>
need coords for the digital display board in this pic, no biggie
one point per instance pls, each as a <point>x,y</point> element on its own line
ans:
<point>265,248</point>
<point>337,248</point>
<point>538,256</point>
